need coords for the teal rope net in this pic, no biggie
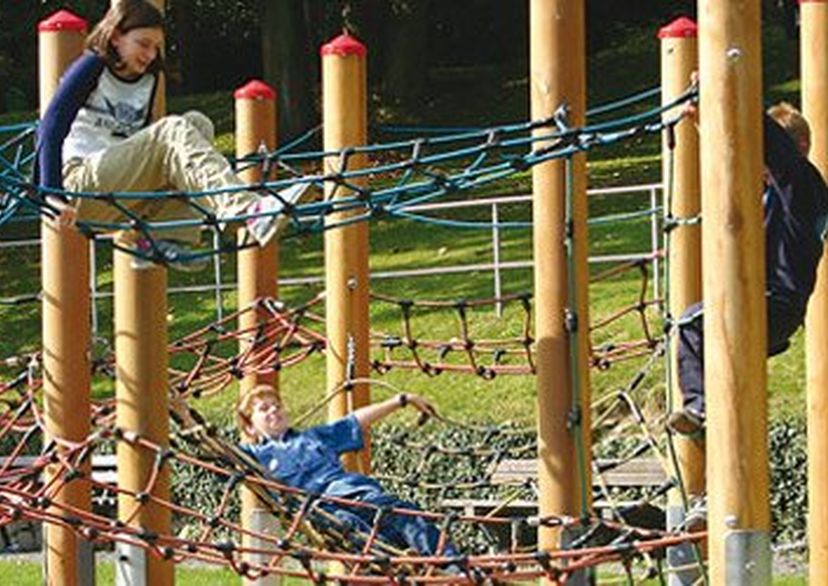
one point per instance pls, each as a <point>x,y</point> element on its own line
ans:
<point>402,174</point>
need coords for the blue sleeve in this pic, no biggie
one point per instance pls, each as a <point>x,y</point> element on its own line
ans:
<point>343,435</point>
<point>78,82</point>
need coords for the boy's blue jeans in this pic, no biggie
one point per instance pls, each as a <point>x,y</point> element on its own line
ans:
<point>402,531</point>
<point>784,318</point>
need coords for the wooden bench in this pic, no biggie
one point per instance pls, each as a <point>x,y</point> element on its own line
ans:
<point>26,535</point>
<point>637,473</point>
<point>104,466</point>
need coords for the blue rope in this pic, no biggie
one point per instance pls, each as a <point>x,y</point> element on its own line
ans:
<point>597,221</point>
<point>434,168</point>
<point>624,102</point>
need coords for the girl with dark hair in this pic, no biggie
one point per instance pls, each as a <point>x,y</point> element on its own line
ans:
<point>123,17</point>
<point>98,135</point>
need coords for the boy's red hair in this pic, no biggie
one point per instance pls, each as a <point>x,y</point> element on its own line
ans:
<point>244,406</point>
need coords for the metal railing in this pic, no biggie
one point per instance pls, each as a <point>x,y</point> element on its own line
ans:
<point>497,266</point>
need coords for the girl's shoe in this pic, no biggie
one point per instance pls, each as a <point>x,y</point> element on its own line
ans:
<point>168,252</point>
<point>272,213</point>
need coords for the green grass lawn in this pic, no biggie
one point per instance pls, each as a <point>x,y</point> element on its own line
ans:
<point>30,574</point>
<point>399,245</point>
<point>26,573</point>
<point>395,245</point>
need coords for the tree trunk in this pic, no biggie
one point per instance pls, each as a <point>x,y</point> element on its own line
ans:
<point>181,70</point>
<point>406,55</point>
<point>286,58</point>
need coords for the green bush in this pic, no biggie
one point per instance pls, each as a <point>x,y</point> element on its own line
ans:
<point>789,480</point>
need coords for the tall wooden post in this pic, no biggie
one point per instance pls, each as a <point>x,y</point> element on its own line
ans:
<point>142,407</point>
<point>734,291</point>
<point>141,396</point>
<point>680,172</point>
<point>346,249</point>
<point>814,28</point>
<point>558,78</point>
<point>66,328</point>
<point>257,271</point>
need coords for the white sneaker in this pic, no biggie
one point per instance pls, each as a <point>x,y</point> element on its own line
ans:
<point>270,215</point>
<point>170,253</point>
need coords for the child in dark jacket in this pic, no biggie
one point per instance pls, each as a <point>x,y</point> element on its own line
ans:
<point>795,203</point>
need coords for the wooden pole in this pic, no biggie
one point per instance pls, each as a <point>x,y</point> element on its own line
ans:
<point>680,172</point>
<point>257,269</point>
<point>734,291</point>
<point>346,249</point>
<point>141,396</point>
<point>141,407</point>
<point>814,27</point>
<point>558,77</point>
<point>66,329</point>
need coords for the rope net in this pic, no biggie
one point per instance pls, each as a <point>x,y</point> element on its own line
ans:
<point>457,462</point>
<point>402,174</point>
<point>308,532</point>
<point>450,463</point>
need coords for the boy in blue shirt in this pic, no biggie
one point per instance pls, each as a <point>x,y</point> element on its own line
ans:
<point>309,460</point>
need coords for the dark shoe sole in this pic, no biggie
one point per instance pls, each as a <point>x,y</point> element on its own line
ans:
<point>685,423</point>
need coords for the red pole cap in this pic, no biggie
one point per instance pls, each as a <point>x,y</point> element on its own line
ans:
<point>682,27</point>
<point>344,45</point>
<point>255,89</point>
<point>62,20</point>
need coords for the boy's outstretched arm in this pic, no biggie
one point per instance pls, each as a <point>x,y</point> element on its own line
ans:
<point>370,414</point>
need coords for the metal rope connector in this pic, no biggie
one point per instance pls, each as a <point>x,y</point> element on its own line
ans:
<point>571,320</point>
<point>560,117</point>
<point>350,367</point>
<point>574,418</point>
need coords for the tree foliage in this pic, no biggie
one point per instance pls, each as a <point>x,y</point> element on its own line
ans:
<point>18,46</point>
<point>220,44</point>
